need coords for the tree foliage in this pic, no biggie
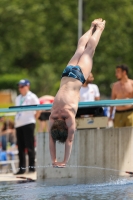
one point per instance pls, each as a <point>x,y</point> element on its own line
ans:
<point>37,39</point>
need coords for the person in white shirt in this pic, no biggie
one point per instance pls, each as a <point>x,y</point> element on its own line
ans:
<point>89,91</point>
<point>25,125</point>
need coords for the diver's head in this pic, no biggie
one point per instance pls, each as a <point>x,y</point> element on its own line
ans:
<point>59,131</point>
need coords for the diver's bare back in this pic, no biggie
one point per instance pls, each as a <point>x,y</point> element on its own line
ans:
<point>67,98</point>
<point>124,91</point>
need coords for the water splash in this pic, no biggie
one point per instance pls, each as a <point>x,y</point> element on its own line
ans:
<point>67,166</point>
<point>94,167</point>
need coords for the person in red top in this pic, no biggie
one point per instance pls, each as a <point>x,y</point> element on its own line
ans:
<point>44,116</point>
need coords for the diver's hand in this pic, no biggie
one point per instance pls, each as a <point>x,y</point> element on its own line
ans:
<point>59,164</point>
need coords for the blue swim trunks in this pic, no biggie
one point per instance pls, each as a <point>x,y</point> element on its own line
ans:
<point>74,72</point>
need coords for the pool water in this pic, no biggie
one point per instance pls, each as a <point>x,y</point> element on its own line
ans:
<point>120,189</point>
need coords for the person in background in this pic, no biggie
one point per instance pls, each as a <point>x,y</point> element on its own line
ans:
<point>7,134</point>
<point>122,89</point>
<point>25,125</point>
<point>44,116</point>
<point>89,91</point>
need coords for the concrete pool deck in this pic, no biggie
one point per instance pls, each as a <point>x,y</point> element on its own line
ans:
<point>11,177</point>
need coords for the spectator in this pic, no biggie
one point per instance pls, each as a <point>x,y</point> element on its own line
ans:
<point>7,137</point>
<point>25,126</point>
<point>89,91</point>
<point>7,134</point>
<point>122,89</point>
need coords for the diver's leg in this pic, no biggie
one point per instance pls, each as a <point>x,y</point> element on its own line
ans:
<point>86,60</point>
<point>82,43</point>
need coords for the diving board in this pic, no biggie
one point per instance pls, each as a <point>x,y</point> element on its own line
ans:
<point>47,107</point>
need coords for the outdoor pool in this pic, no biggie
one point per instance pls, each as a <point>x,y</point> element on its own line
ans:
<point>121,189</point>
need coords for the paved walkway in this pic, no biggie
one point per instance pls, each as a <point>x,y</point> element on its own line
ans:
<point>21,177</point>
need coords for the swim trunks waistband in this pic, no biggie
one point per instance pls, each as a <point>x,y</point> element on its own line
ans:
<point>121,111</point>
<point>74,72</point>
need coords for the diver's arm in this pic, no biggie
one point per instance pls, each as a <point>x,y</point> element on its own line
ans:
<point>68,144</point>
<point>52,148</point>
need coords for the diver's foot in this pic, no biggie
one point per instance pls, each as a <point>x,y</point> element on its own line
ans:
<point>94,23</point>
<point>100,25</point>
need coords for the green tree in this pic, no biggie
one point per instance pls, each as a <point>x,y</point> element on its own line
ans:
<point>37,39</point>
